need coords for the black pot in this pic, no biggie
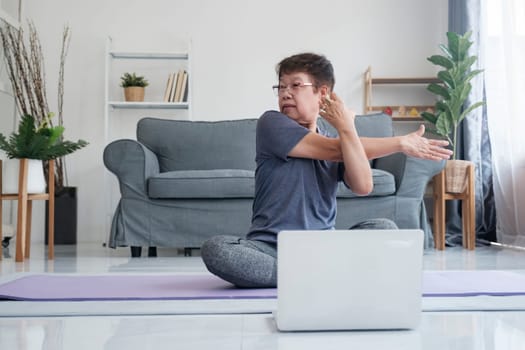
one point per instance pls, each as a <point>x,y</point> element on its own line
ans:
<point>65,216</point>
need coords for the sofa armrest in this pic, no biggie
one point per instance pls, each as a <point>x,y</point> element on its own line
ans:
<point>132,163</point>
<point>411,174</point>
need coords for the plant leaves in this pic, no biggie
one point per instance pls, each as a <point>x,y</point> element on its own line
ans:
<point>438,90</point>
<point>473,74</point>
<point>43,144</point>
<point>443,125</point>
<point>441,61</point>
<point>447,78</point>
<point>431,117</point>
<point>470,109</point>
<point>453,45</point>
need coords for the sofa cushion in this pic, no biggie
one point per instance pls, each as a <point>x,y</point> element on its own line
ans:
<point>218,183</point>
<point>384,185</point>
<point>200,145</point>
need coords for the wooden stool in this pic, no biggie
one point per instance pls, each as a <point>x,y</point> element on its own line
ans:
<point>468,210</point>
<point>25,208</point>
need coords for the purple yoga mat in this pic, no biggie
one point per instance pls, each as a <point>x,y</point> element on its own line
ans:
<point>472,283</point>
<point>51,287</point>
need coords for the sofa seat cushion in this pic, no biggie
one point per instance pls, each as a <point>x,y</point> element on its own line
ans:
<point>217,183</point>
<point>384,185</point>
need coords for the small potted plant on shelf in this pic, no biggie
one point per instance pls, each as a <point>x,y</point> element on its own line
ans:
<point>450,109</point>
<point>134,87</point>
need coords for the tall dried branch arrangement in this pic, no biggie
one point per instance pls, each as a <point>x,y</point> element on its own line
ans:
<point>60,163</point>
<point>25,65</point>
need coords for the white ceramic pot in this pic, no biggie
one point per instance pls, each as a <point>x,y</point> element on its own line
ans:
<point>36,182</point>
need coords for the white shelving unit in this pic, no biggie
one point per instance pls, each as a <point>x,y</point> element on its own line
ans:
<point>121,117</point>
<point>155,67</point>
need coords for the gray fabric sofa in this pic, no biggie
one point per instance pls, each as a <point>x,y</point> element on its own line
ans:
<point>183,182</point>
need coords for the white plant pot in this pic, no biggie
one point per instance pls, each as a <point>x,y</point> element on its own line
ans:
<point>36,182</point>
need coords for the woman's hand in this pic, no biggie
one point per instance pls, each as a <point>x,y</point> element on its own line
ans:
<point>415,145</point>
<point>334,111</point>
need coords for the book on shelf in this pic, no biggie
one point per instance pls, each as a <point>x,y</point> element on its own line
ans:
<point>184,88</point>
<point>180,76</point>
<point>173,87</point>
<point>177,87</point>
<point>168,87</point>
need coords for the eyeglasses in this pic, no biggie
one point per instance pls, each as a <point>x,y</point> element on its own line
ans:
<point>294,88</point>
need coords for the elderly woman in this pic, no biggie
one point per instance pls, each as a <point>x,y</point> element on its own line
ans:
<point>299,167</point>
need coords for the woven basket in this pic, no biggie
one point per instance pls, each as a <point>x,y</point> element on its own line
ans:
<point>134,94</point>
<point>456,175</point>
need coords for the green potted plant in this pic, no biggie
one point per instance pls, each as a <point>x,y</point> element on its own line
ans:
<point>37,142</point>
<point>452,93</point>
<point>134,87</point>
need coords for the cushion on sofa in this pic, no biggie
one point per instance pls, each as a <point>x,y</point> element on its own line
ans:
<point>200,145</point>
<point>384,185</point>
<point>218,183</point>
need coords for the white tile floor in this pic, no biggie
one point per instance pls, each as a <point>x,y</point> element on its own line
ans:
<point>438,330</point>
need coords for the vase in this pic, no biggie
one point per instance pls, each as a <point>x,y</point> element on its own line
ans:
<point>36,181</point>
<point>456,175</point>
<point>134,94</point>
<point>65,216</point>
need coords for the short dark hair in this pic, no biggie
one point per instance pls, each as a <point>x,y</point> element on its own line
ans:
<point>318,66</point>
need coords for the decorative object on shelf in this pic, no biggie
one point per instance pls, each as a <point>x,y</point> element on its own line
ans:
<point>134,87</point>
<point>388,111</point>
<point>414,112</point>
<point>452,93</point>
<point>402,111</point>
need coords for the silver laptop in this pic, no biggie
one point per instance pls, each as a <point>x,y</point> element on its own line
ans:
<point>349,279</point>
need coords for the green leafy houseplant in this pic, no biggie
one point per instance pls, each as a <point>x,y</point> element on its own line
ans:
<point>26,69</point>
<point>455,87</point>
<point>131,79</point>
<point>134,87</point>
<point>38,141</point>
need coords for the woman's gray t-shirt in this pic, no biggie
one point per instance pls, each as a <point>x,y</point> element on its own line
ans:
<point>290,193</point>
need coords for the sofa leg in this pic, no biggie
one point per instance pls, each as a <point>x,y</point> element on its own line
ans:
<point>187,251</point>
<point>136,252</point>
<point>152,252</point>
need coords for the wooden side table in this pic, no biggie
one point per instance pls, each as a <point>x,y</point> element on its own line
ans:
<point>468,210</point>
<point>25,208</point>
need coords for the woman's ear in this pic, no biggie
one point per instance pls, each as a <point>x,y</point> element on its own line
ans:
<point>324,90</point>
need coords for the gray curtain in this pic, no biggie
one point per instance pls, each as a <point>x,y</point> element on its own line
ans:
<point>473,142</point>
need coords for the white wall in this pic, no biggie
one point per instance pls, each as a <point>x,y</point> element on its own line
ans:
<point>235,46</point>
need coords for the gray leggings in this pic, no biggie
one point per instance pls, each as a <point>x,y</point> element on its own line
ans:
<point>253,264</point>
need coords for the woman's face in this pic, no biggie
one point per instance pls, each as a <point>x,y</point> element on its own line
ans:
<point>299,98</point>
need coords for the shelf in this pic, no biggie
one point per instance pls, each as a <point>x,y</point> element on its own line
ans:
<point>404,81</point>
<point>149,55</point>
<point>408,119</point>
<point>148,105</point>
<point>394,107</point>
<point>369,82</point>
